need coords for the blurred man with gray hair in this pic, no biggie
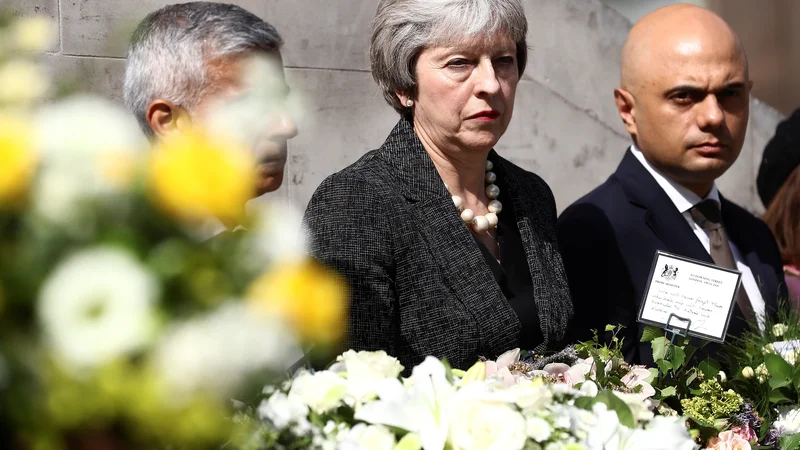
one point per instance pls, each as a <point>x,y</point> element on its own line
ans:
<point>185,58</point>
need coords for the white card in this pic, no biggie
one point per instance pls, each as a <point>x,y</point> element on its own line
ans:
<point>695,290</point>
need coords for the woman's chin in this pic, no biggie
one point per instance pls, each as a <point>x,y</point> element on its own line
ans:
<point>268,183</point>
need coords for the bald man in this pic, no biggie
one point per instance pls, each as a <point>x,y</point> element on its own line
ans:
<point>684,100</point>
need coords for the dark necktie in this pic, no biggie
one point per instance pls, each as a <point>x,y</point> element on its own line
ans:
<point>708,217</point>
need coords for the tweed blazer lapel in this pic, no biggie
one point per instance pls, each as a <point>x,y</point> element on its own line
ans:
<point>553,314</point>
<point>460,260</point>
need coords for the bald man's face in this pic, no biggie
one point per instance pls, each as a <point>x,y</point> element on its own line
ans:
<point>689,106</point>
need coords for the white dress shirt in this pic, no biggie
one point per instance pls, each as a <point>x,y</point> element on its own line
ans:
<point>684,200</point>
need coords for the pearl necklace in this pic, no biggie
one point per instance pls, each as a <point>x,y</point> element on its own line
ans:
<point>482,224</point>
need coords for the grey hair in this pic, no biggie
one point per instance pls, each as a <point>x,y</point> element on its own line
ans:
<point>172,48</point>
<point>403,28</point>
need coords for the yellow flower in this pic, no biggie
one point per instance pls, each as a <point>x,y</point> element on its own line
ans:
<point>22,81</point>
<point>18,157</point>
<point>33,34</point>
<point>195,176</point>
<point>310,298</point>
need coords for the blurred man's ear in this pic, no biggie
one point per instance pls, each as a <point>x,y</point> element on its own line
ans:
<point>166,118</point>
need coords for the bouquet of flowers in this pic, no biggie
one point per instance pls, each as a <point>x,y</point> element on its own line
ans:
<point>767,372</point>
<point>361,402</point>
<point>121,324</point>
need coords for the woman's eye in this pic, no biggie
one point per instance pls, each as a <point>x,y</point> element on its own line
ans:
<point>506,60</point>
<point>457,63</point>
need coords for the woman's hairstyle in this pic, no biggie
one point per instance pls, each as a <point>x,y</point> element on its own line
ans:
<point>783,218</point>
<point>403,28</point>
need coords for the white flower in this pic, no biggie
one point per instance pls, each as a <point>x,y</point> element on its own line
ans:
<point>531,394</point>
<point>788,421</point>
<point>98,305</point>
<point>366,371</point>
<point>277,234</point>
<point>769,348</point>
<point>641,408</point>
<point>90,149</point>
<point>661,433</point>
<point>421,407</point>
<point>779,329</point>
<point>748,372</point>
<point>283,411</point>
<point>478,425</point>
<point>22,82</point>
<point>537,429</point>
<point>368,437</point>
<point>33,34</point>
<point>218,351</point>
<point>321,391</point>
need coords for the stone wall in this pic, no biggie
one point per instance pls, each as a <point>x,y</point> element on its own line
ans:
<point>565,125</point>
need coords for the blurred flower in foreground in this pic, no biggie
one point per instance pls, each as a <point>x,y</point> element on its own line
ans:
<point>22,82</point>
<point>33,34</point>
<point>18,158</point>
<point>195,177</point>
<point>276,233</point>
<point>91,149</point>
<point>307,296</point>
<point>217,352</point>
<point>98,305</point>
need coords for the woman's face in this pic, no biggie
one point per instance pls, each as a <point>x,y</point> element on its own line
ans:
<point>465,92</point>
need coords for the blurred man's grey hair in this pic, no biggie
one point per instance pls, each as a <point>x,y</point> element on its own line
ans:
<point>174,49</point>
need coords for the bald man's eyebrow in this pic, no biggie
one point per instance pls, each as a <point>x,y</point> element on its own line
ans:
<point>685,89</point>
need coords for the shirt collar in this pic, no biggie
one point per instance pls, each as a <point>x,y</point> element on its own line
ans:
<point>683,198</point>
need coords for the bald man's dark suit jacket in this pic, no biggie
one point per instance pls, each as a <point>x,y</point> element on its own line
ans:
<point>608,240</point>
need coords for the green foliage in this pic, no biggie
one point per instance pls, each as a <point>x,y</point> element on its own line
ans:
<point>712,403</point>
<point>790,442</point>
<point>613,403</point>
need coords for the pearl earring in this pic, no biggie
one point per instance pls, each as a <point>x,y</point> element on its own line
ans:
<point>409,103</point>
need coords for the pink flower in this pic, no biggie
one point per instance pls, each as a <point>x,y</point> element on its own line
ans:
<point>500,368</point>
<point>636,377</point>
<point>727,440</point>
<point>746,432</point>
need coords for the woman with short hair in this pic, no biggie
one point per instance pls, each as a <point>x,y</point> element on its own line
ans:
<point>449,249</point>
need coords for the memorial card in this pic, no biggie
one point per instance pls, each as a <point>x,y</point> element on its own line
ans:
<point>700,294</point>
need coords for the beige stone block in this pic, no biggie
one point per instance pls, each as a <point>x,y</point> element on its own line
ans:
<point>572,151</point>
<point>31,8</point>
<point>575,50</point>
<point>104,27</point>
<point>345,117</point>
<point>101,76</point>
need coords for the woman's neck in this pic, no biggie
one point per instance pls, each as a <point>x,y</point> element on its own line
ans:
<point>464,172</point>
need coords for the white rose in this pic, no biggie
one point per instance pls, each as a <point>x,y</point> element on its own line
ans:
<point>321,391</point>
<point>368,437</point>
<point>779,329</point>
<point>748,372</point>
<point>661,433</point>
<point>538,429</point>
<point>531,394</point>
<point>366,371</point>
<point>788,421</point>
<point>97,305</point>
<point>479,425</point>
<point>282,411</point>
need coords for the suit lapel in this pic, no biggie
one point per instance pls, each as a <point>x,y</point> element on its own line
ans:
<point>662,217</point>
<point>449,241</point>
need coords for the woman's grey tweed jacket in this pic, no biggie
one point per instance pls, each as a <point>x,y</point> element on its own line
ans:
<point>419,283</point>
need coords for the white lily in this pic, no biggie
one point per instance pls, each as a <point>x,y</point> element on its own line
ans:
<point>421,408</point>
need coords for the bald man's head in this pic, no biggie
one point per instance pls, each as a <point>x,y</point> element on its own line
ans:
<point>684,95</point>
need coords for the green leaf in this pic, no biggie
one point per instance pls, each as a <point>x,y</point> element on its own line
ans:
<point>797,381</point>
<point>664,365</point>
<point>709,367</point>
<point>677,357</point>
<point>690,379</point>
<point>777,366</point>
<point>617,405</point>
<point>611,327</point>
<point>650,332</point>
<point>668,392</point>
<point>777,396</point>
<point>659,346</point>
<point>790,442</point>
<point>777,383</point>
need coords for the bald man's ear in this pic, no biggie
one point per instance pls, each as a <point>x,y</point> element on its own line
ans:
<point>626,105</point>
<point>165,118</point>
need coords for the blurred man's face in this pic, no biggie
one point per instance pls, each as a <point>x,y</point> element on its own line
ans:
<point>249,101</point>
